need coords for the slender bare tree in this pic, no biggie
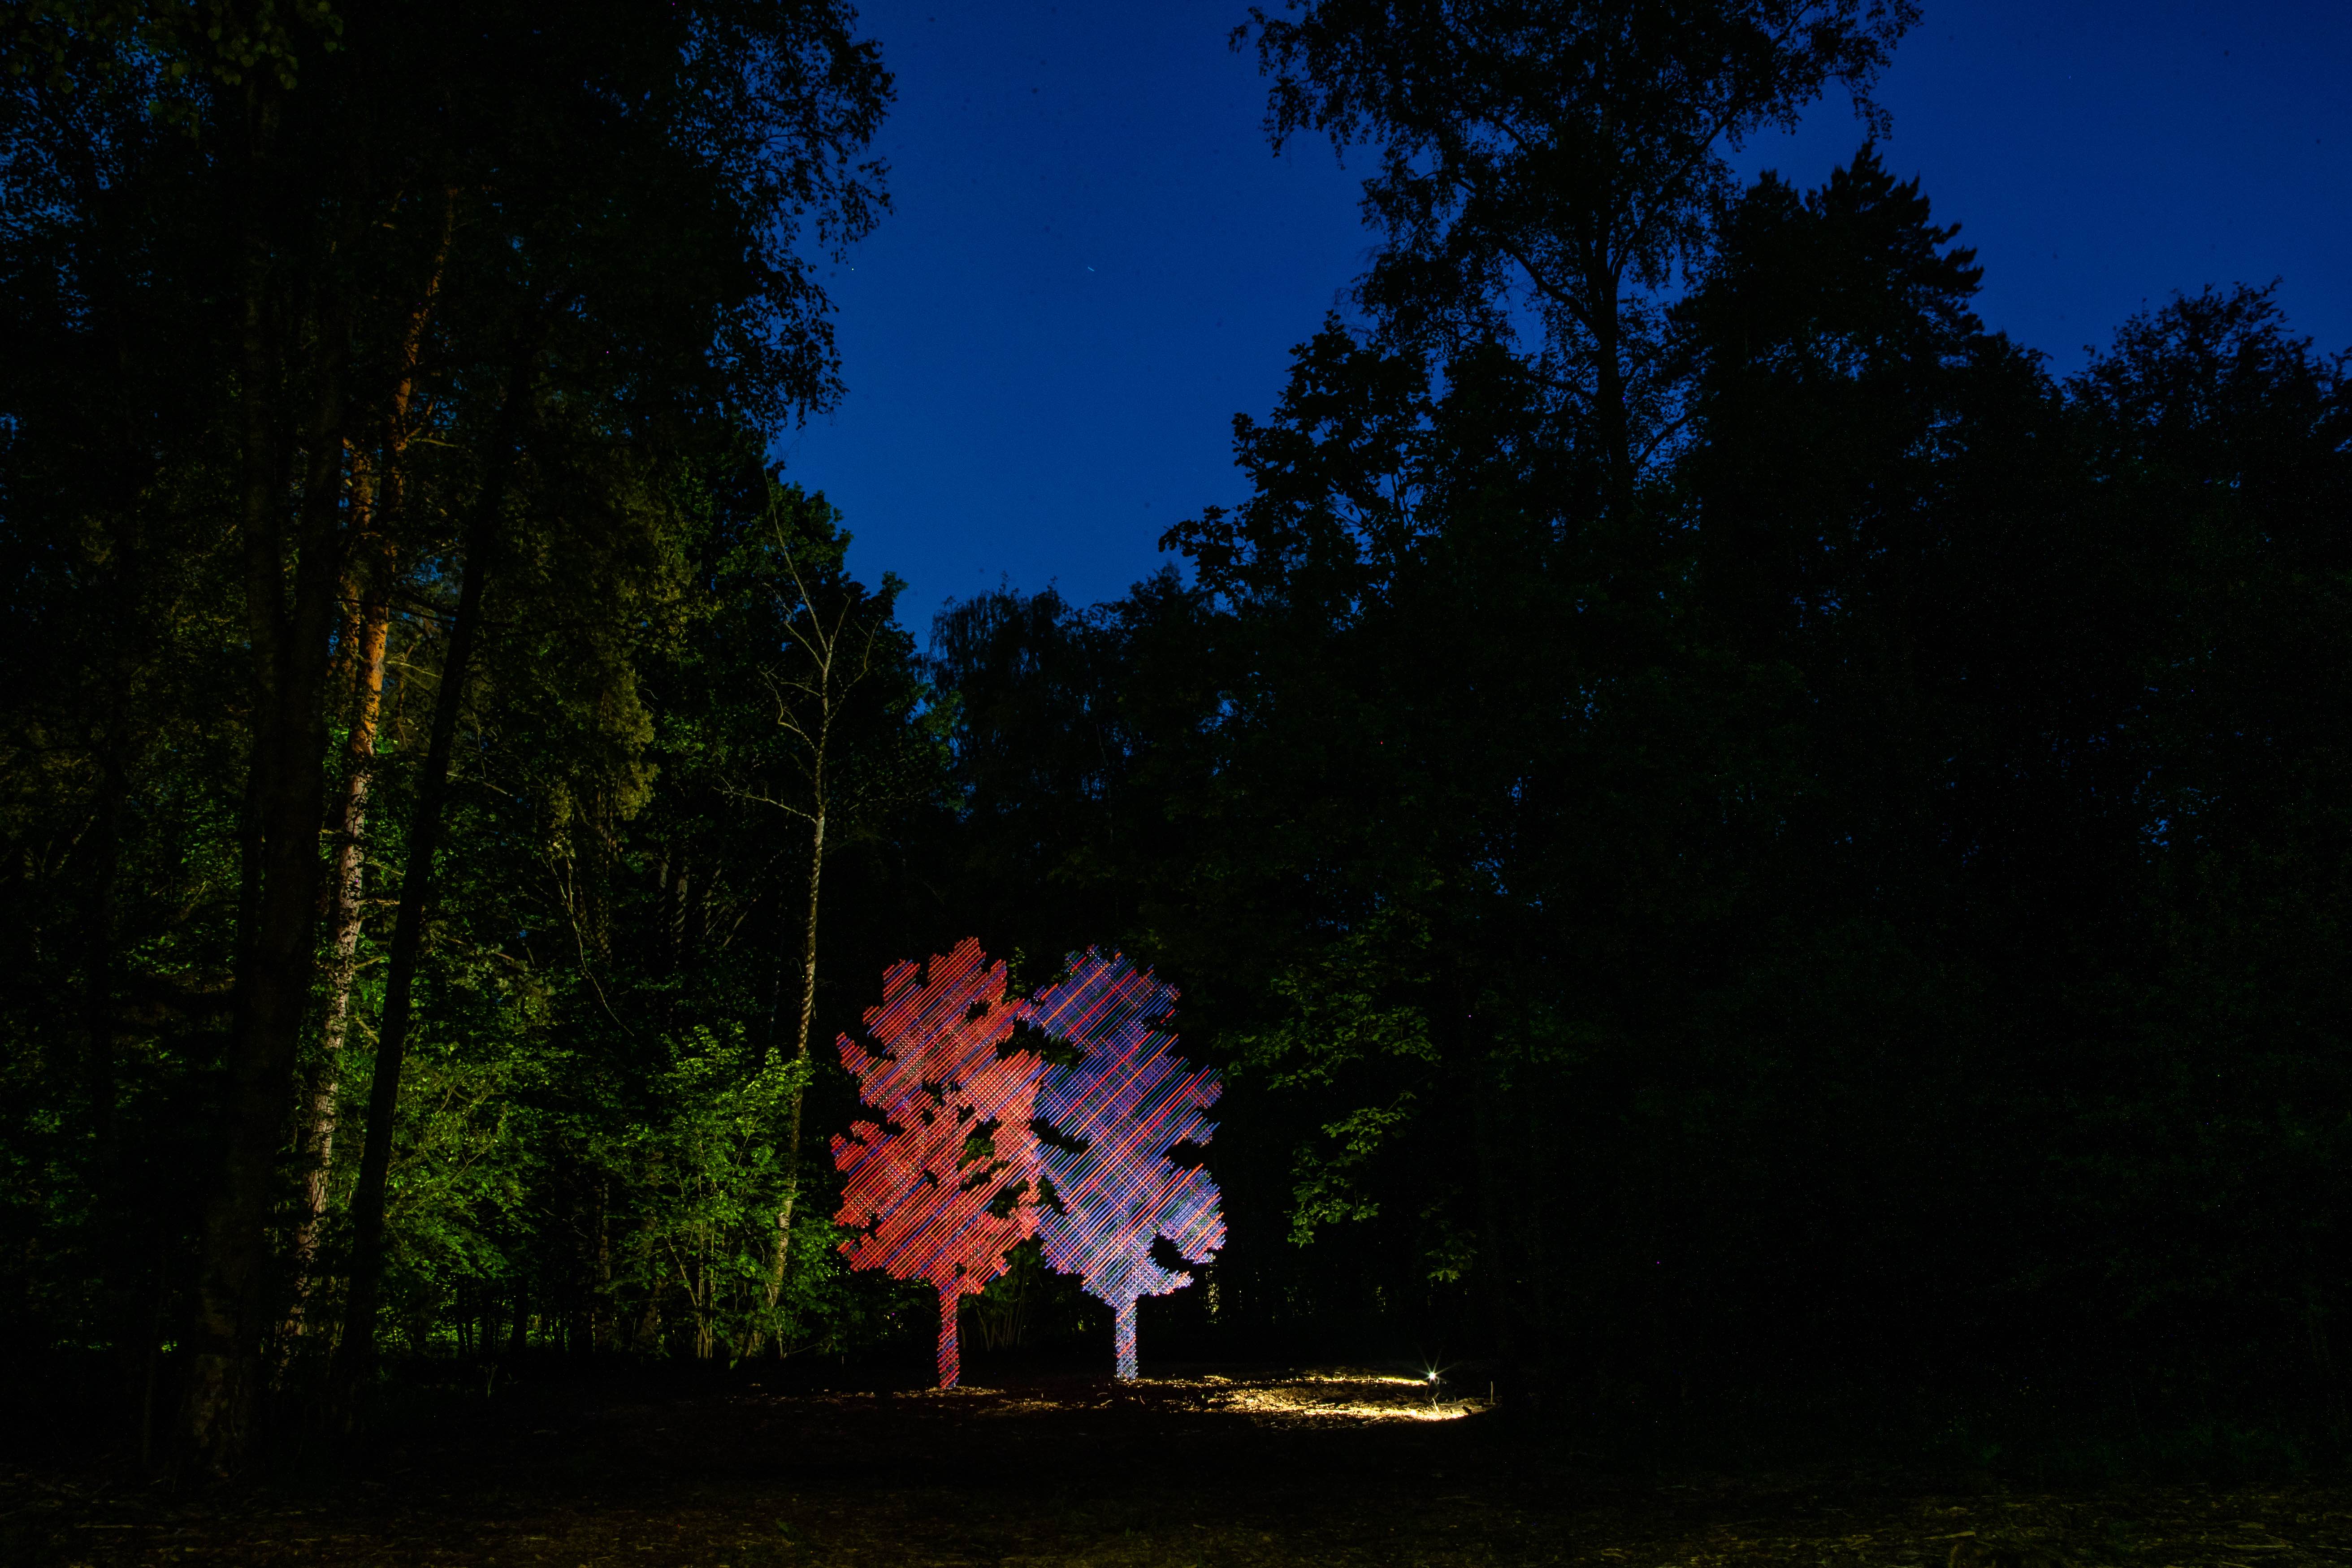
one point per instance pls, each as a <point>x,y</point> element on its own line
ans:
<point>834,631</point>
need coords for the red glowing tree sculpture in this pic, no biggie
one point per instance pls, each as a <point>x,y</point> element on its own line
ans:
<point>954,1145</point>
<point>1129,1101</point>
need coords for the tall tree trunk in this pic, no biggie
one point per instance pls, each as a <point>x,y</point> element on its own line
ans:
<point>290,637</point>
<point>370,631</point>
<point>377,496</point>
<point>1612,403</point>
<point>600,1317</point>
<point>98,956</point>
<point>1494,1197</point>
<point>648,1329</point>
<point>120,1273</point>
<point>356,1356</point>
<point>800,1032</point>
<point>152,1349</point>
<point>782,1262</point>
<point>829,688</point>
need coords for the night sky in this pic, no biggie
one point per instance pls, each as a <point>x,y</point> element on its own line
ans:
<point>1095,260</point>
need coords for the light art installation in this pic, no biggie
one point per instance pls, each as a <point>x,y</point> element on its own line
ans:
<point>1129,1101</point>
<point>922,1210</point>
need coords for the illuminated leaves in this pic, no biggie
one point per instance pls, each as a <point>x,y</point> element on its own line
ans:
<point>945,1184</point>
<point>1121,1109</point>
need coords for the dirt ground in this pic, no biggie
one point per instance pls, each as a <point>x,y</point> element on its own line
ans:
<point>1208,1468</point>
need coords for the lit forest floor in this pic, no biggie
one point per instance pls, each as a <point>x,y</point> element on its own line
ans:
<point>1291,1469</point>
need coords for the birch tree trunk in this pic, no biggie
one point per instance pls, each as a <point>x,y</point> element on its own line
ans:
<point>346,890</point>
<point>839,655</point>
<point>376,508</point>
<point>781,1262</point>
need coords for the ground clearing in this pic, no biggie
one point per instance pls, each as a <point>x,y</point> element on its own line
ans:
<point>1207,1468</point>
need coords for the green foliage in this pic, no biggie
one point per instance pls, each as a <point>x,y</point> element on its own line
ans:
<point>711,1180</point>
<point>549,275</point>
<point>1348,1015</point>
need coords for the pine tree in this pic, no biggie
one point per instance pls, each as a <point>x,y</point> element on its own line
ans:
<point>1121,1108</point>
<point>945,1184</point>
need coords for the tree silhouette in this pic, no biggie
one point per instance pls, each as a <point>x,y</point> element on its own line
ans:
<point>945,1184</point>
<point>1121,1108</point>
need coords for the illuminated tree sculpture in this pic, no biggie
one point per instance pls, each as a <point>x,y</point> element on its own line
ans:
<point>1129,1101</point>
<point>955,1146</point>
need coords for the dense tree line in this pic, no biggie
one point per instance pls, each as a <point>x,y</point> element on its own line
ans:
<point>1740,842</point>
<point>1745,846</point>
<point>386,515</point>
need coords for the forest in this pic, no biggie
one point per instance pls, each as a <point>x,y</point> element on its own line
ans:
<point>1749,856</point>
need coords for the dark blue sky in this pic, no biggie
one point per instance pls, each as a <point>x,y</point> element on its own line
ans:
<point>1095,261</point>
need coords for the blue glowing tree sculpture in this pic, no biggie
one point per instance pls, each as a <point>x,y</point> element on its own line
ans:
<point>1121,1109</point>
<point>946,1184</point>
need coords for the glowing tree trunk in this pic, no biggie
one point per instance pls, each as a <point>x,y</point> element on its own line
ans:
<point>1123,1340</point>
<point>950,1346</point>
<point>953,1143</point>
<point>1121,1111</point>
